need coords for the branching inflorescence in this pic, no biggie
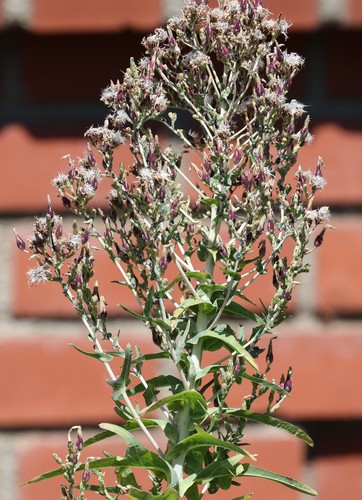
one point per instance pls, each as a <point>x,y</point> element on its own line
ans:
<point>188,238</point>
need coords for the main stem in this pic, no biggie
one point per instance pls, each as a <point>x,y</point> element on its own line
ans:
<point>185,423</point>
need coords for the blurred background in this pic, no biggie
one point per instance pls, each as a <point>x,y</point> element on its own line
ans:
<point>55,57</point>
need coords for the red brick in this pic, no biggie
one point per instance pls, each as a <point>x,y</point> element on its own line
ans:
<point>91,16</point>
<point>302,15</point>
<point>50,384</point>
<point>341,150</point>
<point>354,14</point>
<point>338,476</point>
<point>77,66</point>
<point>34,454</point>
<point>344,79</point>
<point>339,273</point>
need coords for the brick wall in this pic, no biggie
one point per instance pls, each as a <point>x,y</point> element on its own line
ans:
<point>55,57</point>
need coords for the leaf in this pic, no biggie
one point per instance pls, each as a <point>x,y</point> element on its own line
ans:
<point>102,356</point>
<point>186,484</point>
<point>253,471</point>
<point>149,302</point>
<point>205,306</point>
<point>176,403</point>
<point>227,339</point>
<point>274,422</point>
<point>169,494</point>
<point>146,319</point>
<point>119,385</point>
<point>200,439</point>
<point>138,456</point>
<point>221,468</point>
<point>170,381</point>
<point>264,383</point>
<point>238,311</point>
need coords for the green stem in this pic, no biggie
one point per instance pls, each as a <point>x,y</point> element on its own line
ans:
<point>196,355</point>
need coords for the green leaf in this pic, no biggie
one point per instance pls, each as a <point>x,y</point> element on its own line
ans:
<point>264,383</point>
<point>272,421</point>
<point>187,483</point>
<point>176,403</point>
<point>222,334</point>
<point>120,385</point>
<point>238,311</point>
<point>253,471</point>
<point>199,276</point>
<point>170,381</point>
<point>101,356</point>
<point>138,456</point>
<point>146,319</point>
<point>221,468</point>
<point>203,305</point>
<point>149,302</point>
<point>200,439</point>
<point>169,494</point>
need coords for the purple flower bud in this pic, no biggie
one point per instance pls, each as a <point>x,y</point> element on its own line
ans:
<point>161,193</point>
<point>190,229</point>
<point>262,249</point>
<point>259,88</point>
<point>79,443</point>
<point>236,155</point>
<point>237,27</point>
<point>152,159</point>
<point>163,263</point>
<point>172,40</point>
<point>20,243</point>
<point>320,164</point>
<point>78,281</point>
<point>225,51</point>
<point>120,96</point>
<point>208,32</point>
<point>86,476</point>
<point>182,285</point>
<point>58,230</point>
<point>50,210</point>
<point>66,202</point>
<point>288,386</point>
<point>207,167</point>
<point>243,4</point>
<point>108,234</point>
<point>269,354</point>
<point>231,215</point>
<point>198,2</point>
<point>85,237</point>
<point>287,295</point>
<point>102,308</point>
<point>223,250</point>
<point>237,367</point>
<point>319,239</point>
<point>270,225</point>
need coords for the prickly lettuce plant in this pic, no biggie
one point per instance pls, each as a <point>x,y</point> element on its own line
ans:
<point>189,225</point>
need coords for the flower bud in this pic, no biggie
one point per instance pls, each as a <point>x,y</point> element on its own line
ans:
<point>20,243</point>
<point>66,202</point>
